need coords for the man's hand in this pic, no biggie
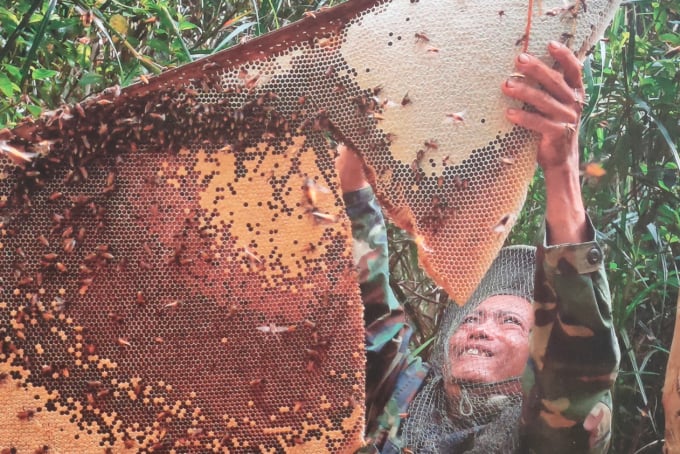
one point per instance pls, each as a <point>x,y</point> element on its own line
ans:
<point>350,170</point>
<point>558,107</point>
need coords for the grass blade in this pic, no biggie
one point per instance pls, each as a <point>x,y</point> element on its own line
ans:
<point>37,39</point>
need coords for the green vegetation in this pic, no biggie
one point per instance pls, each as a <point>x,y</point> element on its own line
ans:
<point>60,52</point>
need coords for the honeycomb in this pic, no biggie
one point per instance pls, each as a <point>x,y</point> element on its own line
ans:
<point>176,263</point>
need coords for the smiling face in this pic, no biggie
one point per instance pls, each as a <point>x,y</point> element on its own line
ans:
<point>492,342</point>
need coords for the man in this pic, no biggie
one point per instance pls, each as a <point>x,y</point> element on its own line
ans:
<point>468,399</point>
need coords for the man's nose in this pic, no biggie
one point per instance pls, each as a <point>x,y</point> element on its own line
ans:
<point>484,329</point>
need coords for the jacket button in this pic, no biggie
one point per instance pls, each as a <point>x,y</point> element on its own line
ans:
<point>594,256</point>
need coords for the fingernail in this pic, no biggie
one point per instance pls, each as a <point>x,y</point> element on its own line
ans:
<point>554,45</point>
<point>523,58</point>
<point>510,83</point>
<point>511,111</point>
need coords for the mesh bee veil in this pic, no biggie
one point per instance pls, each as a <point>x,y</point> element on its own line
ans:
<point>438,420</point>
<point>175,260</point>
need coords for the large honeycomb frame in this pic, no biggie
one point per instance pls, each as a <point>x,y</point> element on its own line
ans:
<point>176,270</point>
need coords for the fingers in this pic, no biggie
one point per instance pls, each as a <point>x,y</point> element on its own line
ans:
<point>538,123</point>
<point>571,66</point>
<point>561,95</point>
<point>551,80</point>
<point>542,101</point>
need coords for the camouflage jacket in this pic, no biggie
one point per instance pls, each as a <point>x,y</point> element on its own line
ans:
<point>574,353</point>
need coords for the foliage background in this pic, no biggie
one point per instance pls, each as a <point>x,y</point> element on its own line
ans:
<point>55,52</point>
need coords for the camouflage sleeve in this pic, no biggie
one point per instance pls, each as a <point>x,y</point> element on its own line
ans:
<point>574,353</point>
<point>386,330</point>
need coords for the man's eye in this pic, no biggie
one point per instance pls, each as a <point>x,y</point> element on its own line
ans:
<point>513,320</point>
<point>471,319</point>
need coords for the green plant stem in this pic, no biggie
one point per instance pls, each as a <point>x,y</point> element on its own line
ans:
<point>9,45</point>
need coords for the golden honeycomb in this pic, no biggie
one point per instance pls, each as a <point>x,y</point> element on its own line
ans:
<point>176,263</point>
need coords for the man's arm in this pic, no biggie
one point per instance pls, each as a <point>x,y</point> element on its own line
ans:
<point>574,352</point>
<point>387,334</point>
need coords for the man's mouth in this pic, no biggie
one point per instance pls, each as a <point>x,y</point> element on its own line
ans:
<point>476,351</point>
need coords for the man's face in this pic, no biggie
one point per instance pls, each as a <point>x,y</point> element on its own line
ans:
<point>492,342</point>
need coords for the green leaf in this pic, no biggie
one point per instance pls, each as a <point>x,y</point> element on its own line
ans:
<point>186,25</point>
<point>91,78</point>
<point>42,74</point>
<point>119,23</point>
<point>12,70</point>
<point>34,110</point>
<point>5,13</point>
<point>8,87</point>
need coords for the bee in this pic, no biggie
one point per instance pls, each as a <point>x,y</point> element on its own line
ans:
<point>324,216</point>
<point>422,37</point>
<point>143,264</point>
<point>312,189</point>
<point>26,414</point>
<point>103,393</point>
<point>454,117</point>
<point>256,382</point>
<point>18,155</point>
<point>252,256</point>
<point>565,38</point>
<point>506,160</point>
<point>311,14</point>
<point>115,317</point>
<point>460,183</point>
<point>121,341</point>
<point>313,354</point>
<point>406,100</point>
<point>140,298</point>
<point>172,304</point>
<point>272,328</point>
<point>504,223</point>
<point>112,91</point>
<point>209,66</point>
<point>69,244</point>
<point>80,110</point>
<point>251,82</point>
<point>80,236</point>
<point>672,52</point>
<point>144,79</point>
<point>147,248</point>
<point>233,310</point>
<point>90,349</point>
<point>431,144</point>
<point>594,170</point>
